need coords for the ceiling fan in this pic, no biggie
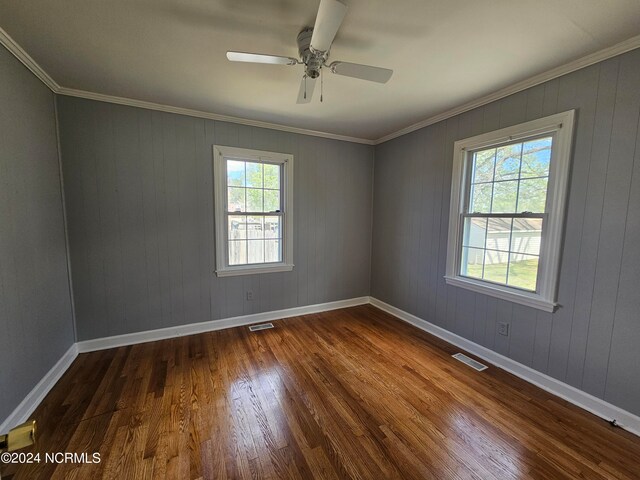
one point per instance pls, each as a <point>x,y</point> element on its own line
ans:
<point>313,46</point>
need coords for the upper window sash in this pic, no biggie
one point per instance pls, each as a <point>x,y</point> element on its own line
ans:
<point>281,207</point>
<point>469,165</point>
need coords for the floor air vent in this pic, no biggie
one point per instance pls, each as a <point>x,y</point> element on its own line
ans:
<point>262,326</point>
<point>470,361</point>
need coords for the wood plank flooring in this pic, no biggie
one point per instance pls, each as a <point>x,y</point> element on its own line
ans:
<point>353,393</point>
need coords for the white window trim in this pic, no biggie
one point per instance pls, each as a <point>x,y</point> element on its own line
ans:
<point>220,153</point>
<point>559,125</point>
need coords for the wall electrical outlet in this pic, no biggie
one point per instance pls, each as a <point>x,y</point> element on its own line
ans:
<point>503,328</point>
<point>249,295</point>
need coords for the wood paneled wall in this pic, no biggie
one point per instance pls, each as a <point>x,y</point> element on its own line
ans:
<point>138,185</point>
<point>36,324</point>
<point>591,342</point>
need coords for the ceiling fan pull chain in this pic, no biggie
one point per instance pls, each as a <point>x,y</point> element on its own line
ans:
<point>305,87</point>
<point>321,84</point>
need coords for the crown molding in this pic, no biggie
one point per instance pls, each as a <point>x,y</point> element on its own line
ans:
<point>11,45</point>
<point>604,54</point>
<point>71,92</point>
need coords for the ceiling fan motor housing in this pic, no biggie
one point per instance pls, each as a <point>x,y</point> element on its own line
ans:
<point>312,60</point>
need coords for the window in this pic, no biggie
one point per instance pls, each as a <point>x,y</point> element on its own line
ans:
<point>507,205</point>
<point>253,211</point>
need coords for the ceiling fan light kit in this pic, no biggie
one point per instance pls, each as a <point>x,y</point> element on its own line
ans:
<point>314,45</point>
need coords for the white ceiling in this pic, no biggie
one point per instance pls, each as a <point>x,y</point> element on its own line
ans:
<point>444,52</point>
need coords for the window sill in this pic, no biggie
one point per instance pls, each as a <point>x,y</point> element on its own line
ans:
<point>254,270</point>
<point>530,300</point>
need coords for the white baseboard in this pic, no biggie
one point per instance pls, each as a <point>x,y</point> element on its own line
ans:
<point>598,407</point>
<point>32,400</point>
<point>193,328</point>
<point>592,404</point>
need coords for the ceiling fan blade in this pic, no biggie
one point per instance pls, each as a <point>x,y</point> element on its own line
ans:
<point>330,16</point>
<point>363,72</point>
<point>311,84</point>
<point>260,58</point>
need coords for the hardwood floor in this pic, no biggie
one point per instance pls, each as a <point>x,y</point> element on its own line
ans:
<point>353,393</point>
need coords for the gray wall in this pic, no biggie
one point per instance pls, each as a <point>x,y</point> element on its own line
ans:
<point>138,187</point>
<point>140,218</point>
<point>592,341</point>
<point>36,325</point>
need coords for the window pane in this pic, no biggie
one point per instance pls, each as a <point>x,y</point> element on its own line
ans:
<point>471,264</point>
<point>495,266</point>
<point>271,200</point>
<point>536,156</point>
<point>254,200</point>
<point>526,235</point>
<point>235,173</point>
<point>504,197</point>
<point>237,227</point>
<point>523,271</point>
<point>272,176</point>
<point>508,162</point>
<point>254,227</point>
<point>500,242</point>
<point>481,198</point>
<point>533,195</point>
<point>254,175</point>
<point>498,233</point>
<point>237,252</point>
<point>256,251</point>
<point>272,227</point>
<point>272,251</point>
<point>475,230</point>
<point>483,163</point>
<point>236,200</point>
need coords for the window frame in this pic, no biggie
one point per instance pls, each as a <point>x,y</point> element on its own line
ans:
<point>560,126</point>
<point>221,154</point>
